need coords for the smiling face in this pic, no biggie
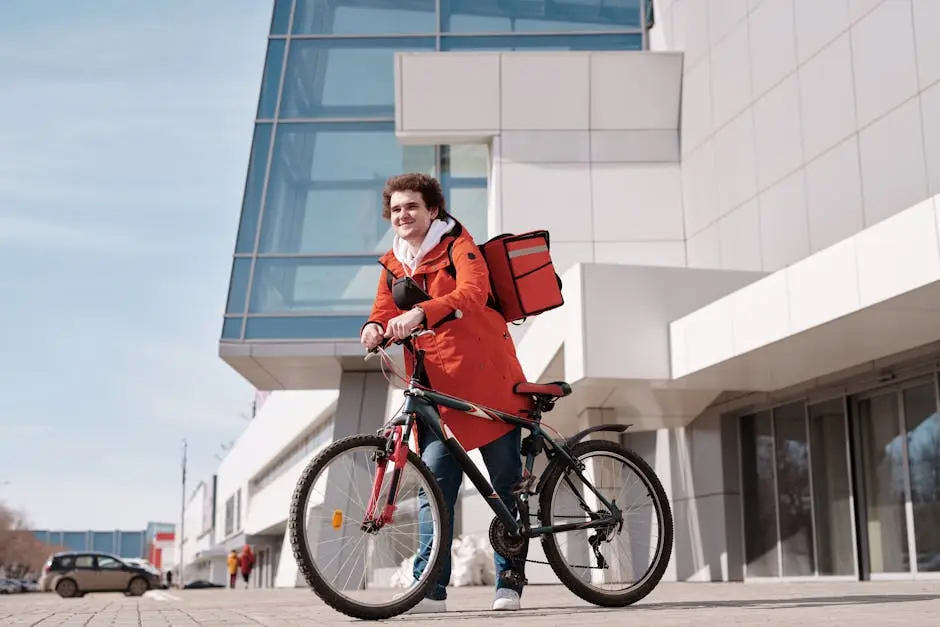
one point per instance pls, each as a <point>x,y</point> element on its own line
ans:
<point>410,217</point>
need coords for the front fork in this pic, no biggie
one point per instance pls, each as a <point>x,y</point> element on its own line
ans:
<point>395,451</point>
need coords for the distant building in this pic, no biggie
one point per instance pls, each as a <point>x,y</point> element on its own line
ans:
<point>117,542</point>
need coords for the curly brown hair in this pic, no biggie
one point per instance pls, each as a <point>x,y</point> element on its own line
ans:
<point>426,185</point>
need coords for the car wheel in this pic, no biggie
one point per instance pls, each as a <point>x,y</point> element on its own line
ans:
<point>67,588</point>
<point>137,587</point>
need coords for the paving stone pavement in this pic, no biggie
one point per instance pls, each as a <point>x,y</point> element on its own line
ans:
<point>816,603</point>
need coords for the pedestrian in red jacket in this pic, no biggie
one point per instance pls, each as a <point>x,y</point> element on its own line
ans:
<point>246,563</point>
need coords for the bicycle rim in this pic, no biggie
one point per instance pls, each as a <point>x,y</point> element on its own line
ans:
<point>361,574</point>
<point>634,558</point>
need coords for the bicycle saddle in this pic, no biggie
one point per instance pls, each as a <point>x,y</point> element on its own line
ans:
<point>555,389</point>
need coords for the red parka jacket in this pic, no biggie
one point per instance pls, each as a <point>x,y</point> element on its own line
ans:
<point>472,357</point>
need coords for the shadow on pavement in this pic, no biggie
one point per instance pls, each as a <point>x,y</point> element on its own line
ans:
<point>803,602</point>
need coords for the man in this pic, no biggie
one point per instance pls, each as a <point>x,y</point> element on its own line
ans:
<point>472,356</point>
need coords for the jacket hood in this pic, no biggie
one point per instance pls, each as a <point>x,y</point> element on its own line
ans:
<point>410,261</point>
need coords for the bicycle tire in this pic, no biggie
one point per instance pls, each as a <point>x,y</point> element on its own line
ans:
<point>298,537</point>
<point>557,561</point>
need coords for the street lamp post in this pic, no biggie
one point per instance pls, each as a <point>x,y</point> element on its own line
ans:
<point>183,519</point>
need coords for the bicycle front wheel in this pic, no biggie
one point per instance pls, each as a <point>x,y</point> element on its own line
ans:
<point>617,566</point>
<point>358,568</point>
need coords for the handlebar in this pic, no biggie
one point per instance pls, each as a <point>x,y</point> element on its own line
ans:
<point>392,340</point>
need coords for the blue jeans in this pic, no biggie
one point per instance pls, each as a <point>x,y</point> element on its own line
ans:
<point>504,462</point>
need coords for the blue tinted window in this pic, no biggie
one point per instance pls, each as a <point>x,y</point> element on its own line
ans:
<point>544,42</point>
<point>465,161</point>
<point>498,16</point>
<point>468,204</point>
<point>254,184</point>
<point>464,173</point>
<point>280,20</point>
<point>238,285</point>
<point>314,285</point>
<point>232,328</point>
<point>102,541</point>
<point>304,328</point>
<point>325,188</point>
<point>354,17</point>
<point>132,544</point>
<point>344,78</point>
<point>75,540</point>
<point>273,64</point>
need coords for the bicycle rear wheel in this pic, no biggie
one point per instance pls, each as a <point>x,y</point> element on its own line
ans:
<point>574,555</point>
<point>351,569</point>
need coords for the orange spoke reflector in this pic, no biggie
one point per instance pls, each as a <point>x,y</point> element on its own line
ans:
<point>337,519</point>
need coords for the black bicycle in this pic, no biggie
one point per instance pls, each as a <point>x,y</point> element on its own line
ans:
<point>365,496</point>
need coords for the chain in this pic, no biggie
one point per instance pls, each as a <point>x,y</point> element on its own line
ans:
<point>534,561</point>
<point>570,565</point>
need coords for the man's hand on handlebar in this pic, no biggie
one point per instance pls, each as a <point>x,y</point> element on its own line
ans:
<point>384,342</point>
<point>372,336</point>
<point>403,325</point>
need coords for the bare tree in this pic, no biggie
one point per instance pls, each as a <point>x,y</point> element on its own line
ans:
<point>21,553</point>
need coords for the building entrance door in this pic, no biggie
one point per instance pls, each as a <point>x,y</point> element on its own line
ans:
<point>896,437</point>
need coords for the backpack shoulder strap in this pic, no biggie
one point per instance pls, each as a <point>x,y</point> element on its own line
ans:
<point>389,275</point>
<point>451,269</point>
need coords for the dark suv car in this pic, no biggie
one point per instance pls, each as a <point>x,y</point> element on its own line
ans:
<point>75,573</point>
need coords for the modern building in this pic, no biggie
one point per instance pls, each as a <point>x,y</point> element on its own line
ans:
<point>741,198</point>
<point>135,544</point>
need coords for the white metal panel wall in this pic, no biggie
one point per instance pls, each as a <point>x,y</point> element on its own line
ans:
<point>803,122</point>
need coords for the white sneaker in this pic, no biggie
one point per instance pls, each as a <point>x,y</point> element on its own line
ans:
<point>429,606</point>
<point>506,600</point>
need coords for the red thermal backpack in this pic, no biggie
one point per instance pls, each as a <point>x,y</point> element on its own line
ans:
<point>522,276</point>
<point>523,280</point>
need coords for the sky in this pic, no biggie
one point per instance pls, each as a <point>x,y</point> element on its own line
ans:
<point>125,130</point>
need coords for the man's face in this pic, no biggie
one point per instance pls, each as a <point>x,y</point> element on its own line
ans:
<point>410,217</point>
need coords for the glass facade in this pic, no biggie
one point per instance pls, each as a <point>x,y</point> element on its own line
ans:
<point>848,486</point>
<point>120,543</point>
<point>311,228</point>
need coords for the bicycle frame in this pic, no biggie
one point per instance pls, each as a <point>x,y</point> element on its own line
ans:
<point>420,404</point>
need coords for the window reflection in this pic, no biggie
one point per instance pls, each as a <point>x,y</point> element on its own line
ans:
<point>232,328</point>
<point>465,169</point>
<point>271,81</point>
<point>469,206</point>
<point>923,445</point>
<point>324,192</point>
<point>238,285</point>
<point>354,17</point>
<point>318,284</point>
<point>254,185</point>
<point>543,42</point>
<point>760,503</point>
<point>280,18</point>
<point>465,160</point>
<point>884,484</point>
<point>832,489</point>
<point>321,327</point>
<point>344,78</point>
<point>793,490</point>
<point>495,16</point>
